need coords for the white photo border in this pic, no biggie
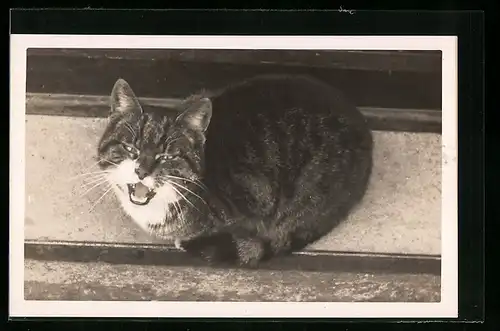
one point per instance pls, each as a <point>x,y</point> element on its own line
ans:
<point>446,308</point>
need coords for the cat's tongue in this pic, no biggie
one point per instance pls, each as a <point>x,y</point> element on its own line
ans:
<point>141,191</point>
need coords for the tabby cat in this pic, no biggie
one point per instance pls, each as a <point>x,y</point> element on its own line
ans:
<point>261,168</point>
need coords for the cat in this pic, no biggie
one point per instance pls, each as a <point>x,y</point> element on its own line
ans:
<point>259,169</point>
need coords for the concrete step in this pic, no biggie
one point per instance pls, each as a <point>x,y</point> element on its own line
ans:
<point>101,281</point>
<point>401,212</point>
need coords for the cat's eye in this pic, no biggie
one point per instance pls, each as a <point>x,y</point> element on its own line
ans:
<point>131,150</point>
<point>167,157</point>
<point>128,148</point>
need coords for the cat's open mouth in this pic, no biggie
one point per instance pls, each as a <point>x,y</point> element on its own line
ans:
<point>140,194</point>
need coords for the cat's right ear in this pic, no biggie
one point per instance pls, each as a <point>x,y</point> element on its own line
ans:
<point>123,98</point>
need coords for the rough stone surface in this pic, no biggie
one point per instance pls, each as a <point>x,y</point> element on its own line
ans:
<point>401,212</point>
<point>99,281</point>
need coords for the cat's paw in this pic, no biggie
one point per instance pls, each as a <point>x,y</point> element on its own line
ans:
<point>225,248</point>
<point>214,248</point>
<point>251,251</point>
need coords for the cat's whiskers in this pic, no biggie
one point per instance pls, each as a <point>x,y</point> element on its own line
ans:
<point>92,165</point>
<point>199,183</point>
<point>196,182</point>
<point>101,197</point>
<point>180,212</point>
<point>183,197</point>
<point>178,209</point>
<point>86,173</point>
<point>92,179</point>
<point>89,174</point>
<point>175,206</point>
<point>110,162</point>
<point>100,181</point>
<point>188,190</point>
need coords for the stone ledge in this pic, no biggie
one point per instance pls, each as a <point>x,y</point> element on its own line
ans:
<point>100,281</point>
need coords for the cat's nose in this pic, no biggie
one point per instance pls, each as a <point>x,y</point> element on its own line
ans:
<point>141,173</point>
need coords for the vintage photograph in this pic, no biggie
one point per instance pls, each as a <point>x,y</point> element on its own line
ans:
<point>198,174</point>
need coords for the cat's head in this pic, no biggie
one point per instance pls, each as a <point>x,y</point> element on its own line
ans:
<point>153,154</point>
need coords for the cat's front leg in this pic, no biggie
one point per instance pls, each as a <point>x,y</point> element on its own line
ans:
<point>230,248</point>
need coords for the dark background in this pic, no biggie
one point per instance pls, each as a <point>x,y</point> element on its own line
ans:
<point>388,79</point>
<point>396,90</point>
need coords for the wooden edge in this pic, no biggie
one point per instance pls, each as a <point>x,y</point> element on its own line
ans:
<point>380,119</point>
<point>307,260</point>
<point>428,61</point>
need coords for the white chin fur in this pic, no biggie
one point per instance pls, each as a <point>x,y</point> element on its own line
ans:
<point>152,213</point>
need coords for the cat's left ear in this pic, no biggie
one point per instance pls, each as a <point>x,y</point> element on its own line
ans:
<point>197,116</point>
